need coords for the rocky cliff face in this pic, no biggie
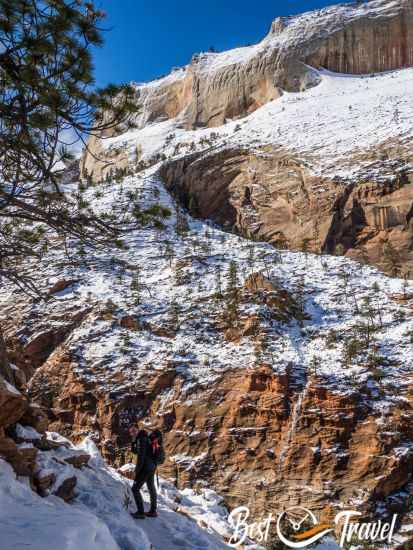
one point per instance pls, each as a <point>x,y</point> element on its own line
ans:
<point>357,39</point>
<point>378,41</point>
<point>270,195</point>
<point>25,442</point>
<point>255,436</point>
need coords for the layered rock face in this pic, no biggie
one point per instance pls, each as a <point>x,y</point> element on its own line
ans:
<point>367,45</point>
<point>217,87</point>
<point>270,195</point>
<point>262,440</point>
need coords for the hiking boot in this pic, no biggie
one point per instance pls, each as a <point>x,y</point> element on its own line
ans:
<point>138,515</point>
<point>151,514</point>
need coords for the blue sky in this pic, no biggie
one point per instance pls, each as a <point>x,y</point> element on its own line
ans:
<point>146,38</point>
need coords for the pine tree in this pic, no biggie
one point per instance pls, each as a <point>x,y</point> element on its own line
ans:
<point>193,205</point>
<point>266,258</point>
<point>376,292</point>
<point>179,273</point>
<point>46,93</point>
<point>305,247</point>
<point>258,356</point>
<point>232,287</point>
<point>181,224</point>
<point>406,285</point>
<point>218,282</point>
<point>300,296</point>
<point>231,312</point>
<point>174,313</point>
<point>367,326</point>
<point>136,286</point>
<point>314,365</point>
<point>391,259</point>
<point>251,256</point>
<point>168,252</point>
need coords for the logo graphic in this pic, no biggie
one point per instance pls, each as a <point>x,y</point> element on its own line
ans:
<point>298,527</point>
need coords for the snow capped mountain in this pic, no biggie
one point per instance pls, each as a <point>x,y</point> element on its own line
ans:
<point>312,122</point>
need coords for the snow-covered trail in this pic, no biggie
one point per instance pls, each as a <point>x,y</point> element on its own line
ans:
<point>175,532</point>
<point>100,516</point>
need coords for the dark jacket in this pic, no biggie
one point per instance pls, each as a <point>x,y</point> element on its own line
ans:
<point>141,446</point>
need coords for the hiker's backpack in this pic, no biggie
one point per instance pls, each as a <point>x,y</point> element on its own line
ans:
<point>156,444</point>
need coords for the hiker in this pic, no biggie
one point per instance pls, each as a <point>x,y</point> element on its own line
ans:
<point>149,448</point>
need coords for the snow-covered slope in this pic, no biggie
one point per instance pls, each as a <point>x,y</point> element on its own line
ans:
<point>279,92</point>
<point>178,276</point>
<point>328,127</point>
<point>318,109</point>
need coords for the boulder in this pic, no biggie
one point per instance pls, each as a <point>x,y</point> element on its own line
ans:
<point>8,448</point>
<point>19,376</point>
<point>130,322</point>
<point>12,404</point>
<point>60,285</point>
<point>128,471</point>
<point>45,444</point>
<point>43,481</point>
<point>26,434</point>
<point>6,370</point>
<point>66,489</point>
<point>35,417</point>
<point>24,462</point>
